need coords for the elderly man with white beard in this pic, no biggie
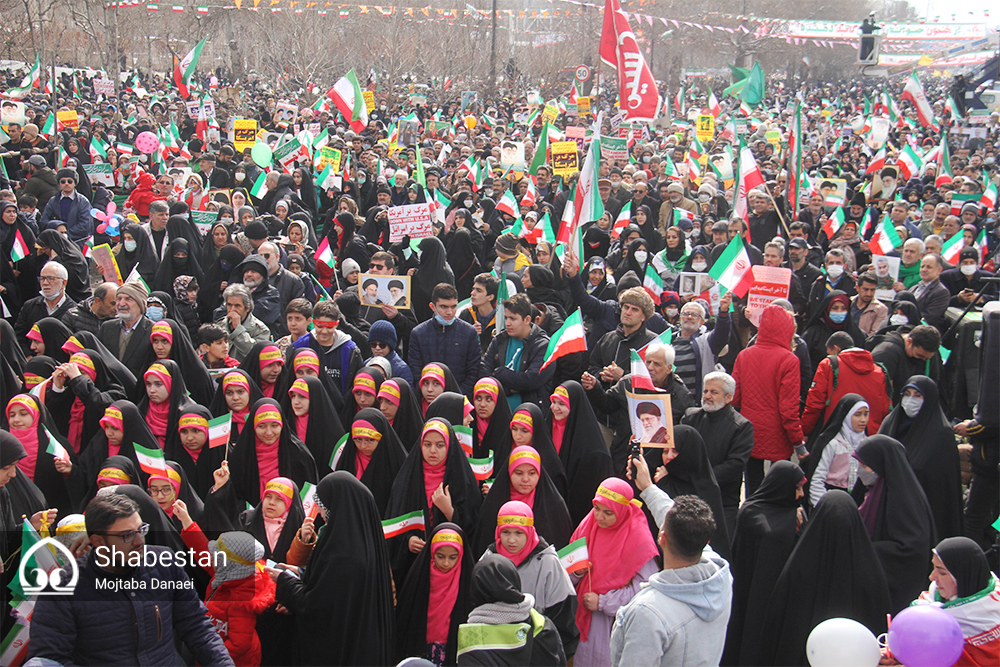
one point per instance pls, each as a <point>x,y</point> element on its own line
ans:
<point>728,436</point>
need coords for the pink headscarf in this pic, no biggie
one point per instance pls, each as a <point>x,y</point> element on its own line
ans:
<point>444,588</point>
<point>515,514</point>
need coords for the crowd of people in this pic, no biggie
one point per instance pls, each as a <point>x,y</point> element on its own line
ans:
<point>420,472</point>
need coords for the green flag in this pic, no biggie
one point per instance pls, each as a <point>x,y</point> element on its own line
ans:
<point>419,177</point>
<point>753,91</point>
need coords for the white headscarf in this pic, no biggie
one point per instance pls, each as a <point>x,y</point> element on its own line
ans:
<point>847,432</point>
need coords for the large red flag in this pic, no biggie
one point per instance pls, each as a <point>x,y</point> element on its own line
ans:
<point>637,93</point>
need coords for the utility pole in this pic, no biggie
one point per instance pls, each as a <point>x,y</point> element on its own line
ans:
<point>493,50</point>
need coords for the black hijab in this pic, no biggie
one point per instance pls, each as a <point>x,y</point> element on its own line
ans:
<point>495,579</point>
<point>119,371</point>
<point>496,438</point>
<point>414,594</point>
<point>199,383</point>
<point>833,572</point>
<point>349,562</point>
<point>294,460</point>
<point>541,290</point>
<point>932,452</point>
<point>463,260</point>
<point>449,405</point>
<point>967,564</point>
<point>218,272</point>
<point>186,493</point>
<point>54,335</point>
<point>409,495</point>
<point>219,406</point>
<point>20,494</point>
<point>541,442</point>
<point>350,409</point>
<point>251,366</point>
<point>136,432</point>
<point>208,251</point>
<point>630,263</point>
<point>385,461</point>
<point>107,390</point>
<point>252,521</point>
<point>199,472</point>
<point>433,269</point>
<point>820,327</point>
<point>765,534</point>
<point>408,419</point>
<point>583,453</point>
<point>552,519</point>
<point>898,518</point>
<point>690,473</point>
<point>324,428</point>
<point>169,269</point>
<point>450,385</point>
<point>162,532</point>
<point>143,257</point>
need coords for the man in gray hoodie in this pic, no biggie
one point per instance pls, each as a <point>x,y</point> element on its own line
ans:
<point>680,617</point>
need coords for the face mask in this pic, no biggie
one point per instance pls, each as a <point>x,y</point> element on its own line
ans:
<point>130,246</point>
<point>699,266</point>
<point>362,180</point>
<point>968,269</point>
<point>671,312</point>
<point>443,322</point>
<point>647,158</point>
<point>912,404</point>
<point>641,256</point>
<point>704,198</point>
<point>154,313</point>
<point>489,192</point>
<point>838,318</point>
<point>468,204</point>
<point>867,477</point>
<point>835,271</point>
<point>899,320</point>
<point>225,266</point>
<point>179,262</point>
<point>239,176</point>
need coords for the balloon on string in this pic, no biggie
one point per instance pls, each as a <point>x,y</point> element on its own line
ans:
<point>470,122</point>
<point>109,221</point>
<point>925,636</point>
<point>147,142</point>
<point>842,641</point>
<point>261,154</point>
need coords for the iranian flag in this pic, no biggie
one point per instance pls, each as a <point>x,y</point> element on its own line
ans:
<point>541,151</point>
<point>944,161</point>
<point>88,247</point>
<point>30,81</point>
<point>347,95</point>
<point>338,450</point>
<point>621,223</point>
<point>748,179</point>
<point>151,460</point>
<point>531,195</point>
<point>640,374</point>
<point>464,435</point>
<point>441,204</point>
<point>877,162</point>
<point>669,169</point>
<point>732,269</point>
<point>914,92</point>
<point>885,238</point>
<point>983,246</point>
<point>989,198</point>
<point>570,338</point>
<point>184,70</point>
<point>98,148</point>
<point>324,253</point>
<point>482,468</point>
<point>308,496</point>
<point>587,204</point>
<point>909,162</point>
<point>959,200</point>
<point>953,247</point>
<point>402,524</point>
<point>219,430</point>
<point>54,447</point>
<point>508,205</point>
<point>834,223</point>
<point>665,338</point>
<point>259,188</point>
<point>652,283</point>
<point>574,556</point>
<point>20,249</point>
<point>713,105</point>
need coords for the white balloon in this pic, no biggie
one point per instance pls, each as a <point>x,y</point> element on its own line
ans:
<point>842,641</point>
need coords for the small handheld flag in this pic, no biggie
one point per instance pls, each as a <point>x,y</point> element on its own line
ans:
<point>151,460</point>
<point>219,430</point>
<point>570,338</point>
<point>574,556</point>
<point>482,468</point>
<point>405,523</point>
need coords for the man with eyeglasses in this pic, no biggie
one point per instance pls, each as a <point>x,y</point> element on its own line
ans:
<point>384,264</point>
<point>288,284</point>
<point>52,301</point>
<point>71,207</point>
<point>142,607</point>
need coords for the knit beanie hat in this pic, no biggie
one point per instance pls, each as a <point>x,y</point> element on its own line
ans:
<point>256,230</point>
<point>138,293</point>
<point>67,173</point>
<point>506,244</point>
<point>382,331</point>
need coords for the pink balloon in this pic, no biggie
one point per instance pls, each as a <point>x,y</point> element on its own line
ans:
<point>147,142</point>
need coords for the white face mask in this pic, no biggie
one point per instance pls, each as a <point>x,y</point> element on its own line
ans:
<point>911,405</point>
<point>641,256</point>
<point>130,245</point>
<point>699,266</point>
<point>488,192</point>
<point>239,176</point>
<point>867,477</point>
<point>968,269</point>
<point>671,312</point>
<point>835,270</point>
<point>899,320</point>
<point>704,198</point>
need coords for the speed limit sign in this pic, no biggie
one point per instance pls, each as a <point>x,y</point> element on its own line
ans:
<point>582,73</point>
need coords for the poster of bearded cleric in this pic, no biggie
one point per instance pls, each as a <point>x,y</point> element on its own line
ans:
<point>651,419</point>
<point>378,290</point>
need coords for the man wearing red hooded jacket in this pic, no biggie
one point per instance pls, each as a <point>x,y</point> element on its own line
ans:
<point>767,393</point>
<point>851,371</point>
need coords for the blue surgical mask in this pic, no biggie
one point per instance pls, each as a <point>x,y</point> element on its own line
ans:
<point>838,318</point>
<point>443,322</point>
<point>154,313</point>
